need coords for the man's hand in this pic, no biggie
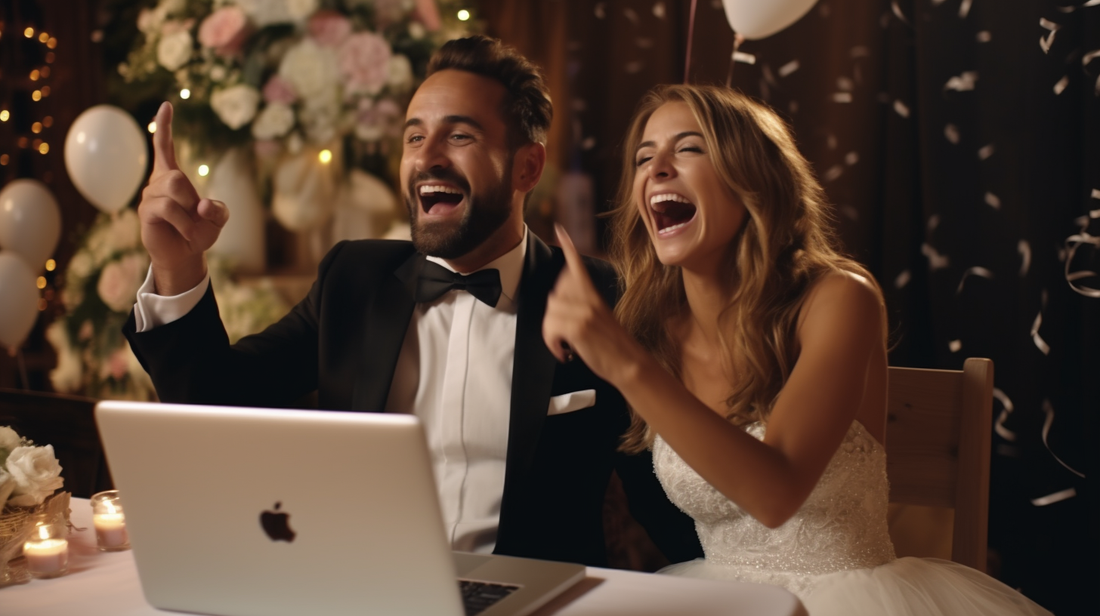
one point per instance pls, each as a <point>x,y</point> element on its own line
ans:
<point>177,227</point>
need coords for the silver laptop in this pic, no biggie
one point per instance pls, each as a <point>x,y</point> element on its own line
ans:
<point>239,512</point>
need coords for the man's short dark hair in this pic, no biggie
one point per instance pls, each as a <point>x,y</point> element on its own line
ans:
<point>527,108</point>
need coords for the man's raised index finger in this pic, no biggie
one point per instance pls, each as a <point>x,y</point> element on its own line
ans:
<point>572,257</point>
<point>164,151</point>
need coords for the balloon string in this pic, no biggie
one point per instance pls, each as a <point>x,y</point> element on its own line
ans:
<point>737,40</point>
<point>691,36</point>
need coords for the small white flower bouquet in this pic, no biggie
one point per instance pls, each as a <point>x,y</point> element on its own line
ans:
<point>29,473</point>
<point>30,476</point>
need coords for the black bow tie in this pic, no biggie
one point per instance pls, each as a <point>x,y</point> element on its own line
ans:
<point>435,280</point>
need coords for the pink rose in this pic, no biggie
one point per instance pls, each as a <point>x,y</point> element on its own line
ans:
<point>329,28</point>
<point>224,31</point>
<point>365,62</point>
<point>279,90</point>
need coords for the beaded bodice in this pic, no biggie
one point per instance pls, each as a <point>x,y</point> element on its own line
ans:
<point>841,526</point>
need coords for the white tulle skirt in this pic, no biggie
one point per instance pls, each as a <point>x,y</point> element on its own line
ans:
<point>903,587</point>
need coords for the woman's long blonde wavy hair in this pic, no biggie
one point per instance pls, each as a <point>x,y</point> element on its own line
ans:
<point>785,245</point>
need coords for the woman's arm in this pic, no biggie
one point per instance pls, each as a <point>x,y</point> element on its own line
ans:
<point>839,332</point>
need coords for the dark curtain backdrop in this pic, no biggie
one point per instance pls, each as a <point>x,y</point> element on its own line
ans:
<point>960,143</point>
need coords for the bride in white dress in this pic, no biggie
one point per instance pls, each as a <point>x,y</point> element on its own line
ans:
<point>753,356</point>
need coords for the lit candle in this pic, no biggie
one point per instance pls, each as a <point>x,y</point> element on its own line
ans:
<point>46,556</point>
<point>109,522</point>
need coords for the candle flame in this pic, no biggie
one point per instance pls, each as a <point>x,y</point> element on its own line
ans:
<point>43,532</point>
<point>110,507</point>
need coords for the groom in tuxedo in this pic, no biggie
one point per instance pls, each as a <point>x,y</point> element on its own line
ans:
<point>447,327</point>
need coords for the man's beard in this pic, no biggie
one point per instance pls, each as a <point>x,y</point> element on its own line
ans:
<point>485,213</point>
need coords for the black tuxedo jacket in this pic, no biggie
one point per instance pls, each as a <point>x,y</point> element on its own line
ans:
<point>343,341</point>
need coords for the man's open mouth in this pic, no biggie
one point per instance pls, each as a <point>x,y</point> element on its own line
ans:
<point>438,198</point>
<point>671,211</point>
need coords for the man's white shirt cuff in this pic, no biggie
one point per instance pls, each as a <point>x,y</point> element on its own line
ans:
<point>152,310</point>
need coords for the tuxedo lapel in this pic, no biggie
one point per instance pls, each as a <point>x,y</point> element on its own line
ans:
<point>533,367</point>
<point>387,322</point>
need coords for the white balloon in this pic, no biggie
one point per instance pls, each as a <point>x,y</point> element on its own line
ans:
<point>756,19</point>
<point>30,221</point>
<point>18,301</point>
<point>233,182</point>
<point>106,155</point>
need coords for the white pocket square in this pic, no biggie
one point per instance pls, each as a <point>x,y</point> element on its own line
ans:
<point>575,401</point>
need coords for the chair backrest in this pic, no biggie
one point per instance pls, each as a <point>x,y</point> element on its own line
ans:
<point>938,433</point>
<point>67,423</point>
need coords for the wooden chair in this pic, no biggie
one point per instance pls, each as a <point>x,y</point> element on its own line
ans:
<point>67,423</point>
<point>938,434</point>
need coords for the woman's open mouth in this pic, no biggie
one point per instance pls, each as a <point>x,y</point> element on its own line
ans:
<point>439,199</point>
<point>671,212</point>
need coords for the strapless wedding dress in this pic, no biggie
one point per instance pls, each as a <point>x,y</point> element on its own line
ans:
<point>835,553</point>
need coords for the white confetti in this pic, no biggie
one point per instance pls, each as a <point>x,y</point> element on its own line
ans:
<point>986,152</point>
<point>833,173</point>
<point>1095,195</point>
<point>851,158</point>
<point>788,68</point>
<point>955,346</point>
<point>744,58</point>
<point>902,279</point>
<point>901,109</point>
<point>1035,337</point>
<point>952,133</point>
<point>935,259</point>
<point>999,424</point>
<point>1024,248</point>
<point>992,200</point>
<point>984,36</point>
<point>977,270</point>
<point>766,72</point>
<point>659,10</point>
<point>842,97</point>
<point>963,82</point>
<point>897,11</point>
<point>1061,85</point>
<point>1046,42</point>
<point>1049,25</point>
<point>1050,499</point>
<point>1085,59</point>
<point>964,9</point>
<point>1048,408</point>
<point>844,84</point>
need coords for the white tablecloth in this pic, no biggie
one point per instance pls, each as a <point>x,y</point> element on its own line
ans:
<point>106,584</point>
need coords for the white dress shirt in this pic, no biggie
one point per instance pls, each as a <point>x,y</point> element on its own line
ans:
<point>454,372</point>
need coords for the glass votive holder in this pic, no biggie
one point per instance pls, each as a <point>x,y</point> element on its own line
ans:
<point>47,549</point>
<point>109,522</point>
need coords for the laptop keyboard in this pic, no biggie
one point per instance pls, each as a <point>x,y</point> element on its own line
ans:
<point>479,596</point>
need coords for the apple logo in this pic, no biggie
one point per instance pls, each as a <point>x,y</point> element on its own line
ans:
<point>277,524</point>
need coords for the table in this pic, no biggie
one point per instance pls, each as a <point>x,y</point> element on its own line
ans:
<point>106,584</point>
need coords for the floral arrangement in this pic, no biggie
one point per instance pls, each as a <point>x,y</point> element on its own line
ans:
<point>284,75</point>
<point>28,473</point>
<point>98,292</point>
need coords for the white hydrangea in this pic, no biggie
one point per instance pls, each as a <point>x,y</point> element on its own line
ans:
<point>174,50</point>
<point>236,105</point>
<point>300,10</point>
<point>310,68</point>
<point>401,73</point>
<point>274,121</point>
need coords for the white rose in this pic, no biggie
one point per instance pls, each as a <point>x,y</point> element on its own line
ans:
<point>265,12</point>
<point>69,373</point>
<point>401,73</point>
<point>236,105</point>
<point>274,121</point>
<point>125,230</point>
<point>174,50</point>
<point>310,68</point>
<point>299,10</point>
<point>7,485</point>
<point>9,440</point>
<point>36,473</point>
<point>319,118</point>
